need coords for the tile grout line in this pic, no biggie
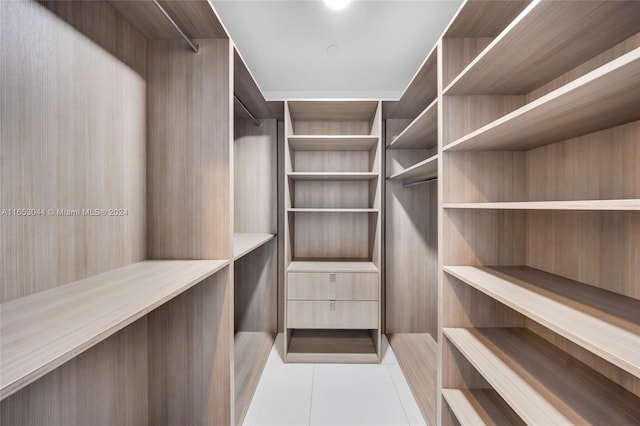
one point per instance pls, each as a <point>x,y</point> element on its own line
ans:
<point>313,376</point>
<point>395,387</point>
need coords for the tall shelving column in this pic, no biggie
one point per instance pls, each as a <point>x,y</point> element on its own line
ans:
<point>540,214</point>
<point>333,162</point>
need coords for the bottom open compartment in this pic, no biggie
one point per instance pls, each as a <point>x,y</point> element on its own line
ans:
<point>343,346</point>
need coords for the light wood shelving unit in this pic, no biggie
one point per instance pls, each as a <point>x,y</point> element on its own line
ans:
<point>332,203</point>
<point>539,210</point>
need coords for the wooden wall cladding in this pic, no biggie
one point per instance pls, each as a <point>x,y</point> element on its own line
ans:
<point>69,143</point>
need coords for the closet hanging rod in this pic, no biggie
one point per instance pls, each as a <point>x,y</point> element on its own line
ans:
<point>419,182</point>
<point>244,107</point>
<point>192,44</point>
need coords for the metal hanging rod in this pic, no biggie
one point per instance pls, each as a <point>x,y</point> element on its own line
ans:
<point>419,182</point>
<point>192,44</point>
<point>243,106</point>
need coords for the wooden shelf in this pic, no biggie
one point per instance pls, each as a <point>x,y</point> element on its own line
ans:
<point>603,322</point>
<point>417,355</point>
<point>245,243</point>
<point>421,133</point>
<point>541,383</point>
<point>534,60</point>
<point>297,210</point>
<point>318,110</point>
<point>332,143</point>
<point>251,350</point>
<point>331,266</point>
<point>42,331</point>
<point>331,346</point>
<point>604,205</point>
<point>335,176</point>
<point>424,169</point>
<point>606,97</point>
<point>474,407</point>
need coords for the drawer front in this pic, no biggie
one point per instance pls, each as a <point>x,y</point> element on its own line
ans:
<point>332,286</point>
<point>330,314</point>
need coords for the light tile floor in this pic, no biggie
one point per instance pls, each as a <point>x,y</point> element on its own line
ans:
<point>333,394</point>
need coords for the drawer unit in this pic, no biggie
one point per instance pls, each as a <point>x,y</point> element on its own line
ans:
<point>332,314</point>
<point>332,286</point>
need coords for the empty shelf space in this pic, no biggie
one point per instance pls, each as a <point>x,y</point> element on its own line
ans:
<point>333,143</point>
<point>421,133</point>
<point>417,355</point>
<point>603,205</point>
<point>424,169</point>
<point>320,210</point>
<point>251,350</point>
<point>332,346</point>
<point>473,407</point>
<point>331,266</point>
<point>332,110</point>
<point>80,314</point>
<point>541,383</point>
<point>246,243</point>
<point>335,176</point>
<point>605,323</point>
<point>534,60</point>
<point>607,96</point>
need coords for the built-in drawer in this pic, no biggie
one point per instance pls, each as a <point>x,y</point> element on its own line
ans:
<point>332,314</point>
<point>332,286</point>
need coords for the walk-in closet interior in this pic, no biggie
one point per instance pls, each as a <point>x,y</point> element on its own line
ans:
<point>162,222</point>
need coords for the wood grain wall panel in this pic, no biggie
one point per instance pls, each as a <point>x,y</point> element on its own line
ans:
<point>331,161</point>
<point>395,126</point>
<point>256,292</point>
<point>602,165</point>
<point>458,53</point>
<point>401,159</point>
<point>485,176</point>
<point>484,18</point>
<point>191,356</point>
<point>331,235</point>
<point>281,226</point>
<point>73,130</point>
<point>464,114</point>
<point>189,171</point>
<point>332,194</point>
<point>596,248</point>
<point>255,191</point>
<point>105,385</point>
<point>331,128</point>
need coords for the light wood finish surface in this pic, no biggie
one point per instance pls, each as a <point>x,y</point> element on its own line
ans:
<point>332,286</point>
<point>331,266</point>
<point>196,18</point>
<point>605,97</point>
<point>328,314</point>
<point>332,142</point>
<point>191,355</point>
<point>424,169</point>
<point>422,133</point>
<point>245,243</point>
<point>331,234</point>
<point>332,194</point>
<point>105,385</point>
<point>338,161</point>
<point>339,176</point>
<point>42,331</point>
<point>189,152</point>
<point>417,355</point>
<point>484,18</point>
<point>323,210</point>
<point>247,90</point>
<point>608,205</point>
<point>72,114</point>
<point>332,110</point>
<point>473,407</point>
<point>458,53</point>
<point>572,34</point>
<point>605,323</point>
<point>332,346</point>
<point>540,382</point>
<point>251,352</point>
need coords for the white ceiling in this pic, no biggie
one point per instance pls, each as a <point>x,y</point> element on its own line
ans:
<point>381,44</point>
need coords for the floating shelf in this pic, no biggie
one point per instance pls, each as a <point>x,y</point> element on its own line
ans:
<point>331,266</point>
<point>421,133</point>
<point>473,407</point>
<point>305,210</point>
<point>597,26</point>
<point>606,97</point>
<point>603,322</point>
<point>245,243</point>
<point>335,176</point>
<point>605,205</point>
<point>94,308</point>
<point>332,346</point>
<point>332,143</point>
<point>540,382</point>
<point>424,169</point>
